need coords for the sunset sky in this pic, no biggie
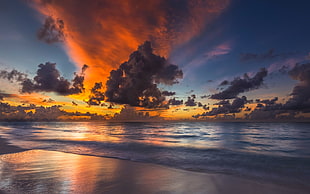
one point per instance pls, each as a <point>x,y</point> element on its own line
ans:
<point>176,59</point>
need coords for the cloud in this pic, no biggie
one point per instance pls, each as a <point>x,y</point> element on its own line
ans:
<point>299,102</point>
<point>5,95</point>
<point>209,54</point>
<point>300,99</point>
<point>269,109</point>
<point>225,107</point>
<point>204,96</point>
<point>267,101</point>
<point>219,50</point>
<point>191,101</point>
<point>283,66</point>
<point>130,113</point>
<point>48,79</point>
<point>167,93</point>
<point>52,30</point>
<point>224,83</point>
<point>9,112</point>
<point>240,85</point>
<point>173,102</point>
<point>13,75</point>
<point>135,81</point>
<point>247,109</point>
<point>48,100</point>
<point>97,95</point>
<point>103,32</point>
<point>268,55</point>
<point>205,107</point>
<point>40,113</point>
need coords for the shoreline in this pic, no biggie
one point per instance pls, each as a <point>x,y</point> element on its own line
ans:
<point>7,148</point>
<point>119,176</point>
<point>200,182</point>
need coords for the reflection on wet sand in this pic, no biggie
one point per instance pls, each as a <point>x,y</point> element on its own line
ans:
<point>38,171</point>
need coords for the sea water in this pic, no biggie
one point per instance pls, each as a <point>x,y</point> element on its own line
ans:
<point>277,152</point>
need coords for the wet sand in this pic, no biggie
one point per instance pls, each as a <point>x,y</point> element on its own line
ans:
<point>6,148</point>
<point>38,171</point>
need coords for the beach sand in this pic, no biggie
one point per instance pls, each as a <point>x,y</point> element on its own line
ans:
<point>39,171</point>
<point>6,148</point>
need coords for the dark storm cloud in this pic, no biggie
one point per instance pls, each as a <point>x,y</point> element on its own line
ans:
<point>13,75</point>
<point>167,93</point>
<point>240,85</point>
<point>48,79</point>
<point>173,101</point>
<point>300,99</point>
<point>52,31</point>
<point>97,96</point>
<point>135,81</point>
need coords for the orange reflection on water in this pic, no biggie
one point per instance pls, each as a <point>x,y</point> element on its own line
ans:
<point>82,131</point>
<point>52,172</point>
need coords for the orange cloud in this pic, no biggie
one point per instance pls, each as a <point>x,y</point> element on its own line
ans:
<point>103,33</point>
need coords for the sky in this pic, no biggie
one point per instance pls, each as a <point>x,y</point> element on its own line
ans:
<point>167,59</point>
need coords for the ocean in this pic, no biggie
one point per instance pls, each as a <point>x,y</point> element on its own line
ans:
<point>276,152</point>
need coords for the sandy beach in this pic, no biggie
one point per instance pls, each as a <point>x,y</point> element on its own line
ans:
<point>39,171</point>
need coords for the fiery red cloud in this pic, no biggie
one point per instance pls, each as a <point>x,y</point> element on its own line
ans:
<point>103,33</point>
